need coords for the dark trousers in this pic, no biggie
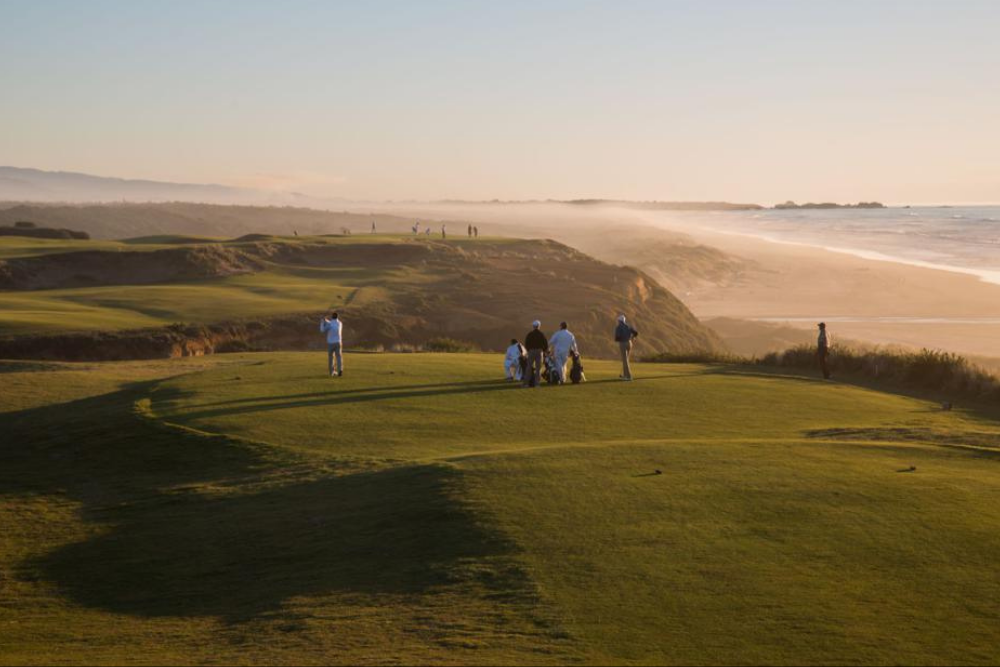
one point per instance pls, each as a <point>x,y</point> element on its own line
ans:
<point>823,355</point>
<point>534,377</point>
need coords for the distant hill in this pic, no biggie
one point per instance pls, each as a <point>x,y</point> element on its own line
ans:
<point>35,185</point>
<point>268,292</point>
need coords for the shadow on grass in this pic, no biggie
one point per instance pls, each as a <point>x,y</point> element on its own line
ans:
<point>362,395</point>
<point>200,525</point>
<point>335,392</point>
<point>100,448</point>
<point>398,531</point>
<point>265,404</point>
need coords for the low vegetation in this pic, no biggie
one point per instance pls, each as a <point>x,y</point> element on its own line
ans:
<point>942,373</point>
<point>932,370</point>
<point>450,345</point>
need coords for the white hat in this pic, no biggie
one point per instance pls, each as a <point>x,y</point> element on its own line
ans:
<point>621,318</point>
<point>536,324</point>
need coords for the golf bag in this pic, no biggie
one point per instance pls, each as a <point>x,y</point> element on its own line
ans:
<point>552,374</point>
<point>576,370</point>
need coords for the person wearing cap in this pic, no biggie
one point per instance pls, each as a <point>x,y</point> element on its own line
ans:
<point>624,335</point>
<point>823,350</point>
<point>537,344</point>
<point>563,343</point>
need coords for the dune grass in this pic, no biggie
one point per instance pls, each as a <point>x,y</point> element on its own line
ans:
<point>420,510</point>
<point>943,372</point>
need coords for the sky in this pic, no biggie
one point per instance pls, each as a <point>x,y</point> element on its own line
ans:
<point>745,100</point>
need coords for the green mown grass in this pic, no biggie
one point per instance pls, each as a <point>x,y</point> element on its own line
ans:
<point>281,289</point>
<point>136,306</point>
<point>419,509</point>
<point>24,246</point>
<point>447,405</point>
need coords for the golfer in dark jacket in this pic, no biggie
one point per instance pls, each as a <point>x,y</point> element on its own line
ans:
<point>823,350</point>
<point>537,344</point>
<point>624,335</point>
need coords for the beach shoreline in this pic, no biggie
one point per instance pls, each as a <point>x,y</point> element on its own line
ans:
<point>875,301</point>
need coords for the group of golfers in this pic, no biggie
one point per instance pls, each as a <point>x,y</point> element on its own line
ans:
<point>540,354</point>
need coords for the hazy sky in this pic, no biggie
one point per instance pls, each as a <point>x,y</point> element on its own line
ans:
<point>702,99</point>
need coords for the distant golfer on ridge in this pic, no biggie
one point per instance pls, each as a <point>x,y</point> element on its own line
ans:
<point>332,327</point>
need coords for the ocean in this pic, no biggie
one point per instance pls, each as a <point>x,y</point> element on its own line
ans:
<point>964,239</point>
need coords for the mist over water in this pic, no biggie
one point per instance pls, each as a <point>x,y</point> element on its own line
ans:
<point>964,239</point>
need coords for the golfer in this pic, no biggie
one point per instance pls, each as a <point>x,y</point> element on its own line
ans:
<point>333,328</point>
<point>823,350</point>
<point>563,343</point>
<point>624,335</point>
<point>537,345</point>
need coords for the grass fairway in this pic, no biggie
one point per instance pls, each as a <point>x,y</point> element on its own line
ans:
<point>420,510</point>
<point>281,289</point>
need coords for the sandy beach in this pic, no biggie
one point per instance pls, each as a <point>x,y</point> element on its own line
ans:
<point>874,301</point>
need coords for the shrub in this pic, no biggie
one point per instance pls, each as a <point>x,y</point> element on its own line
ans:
<point>924,369</point>
<point>931,370</point>
<point>450,345</point>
